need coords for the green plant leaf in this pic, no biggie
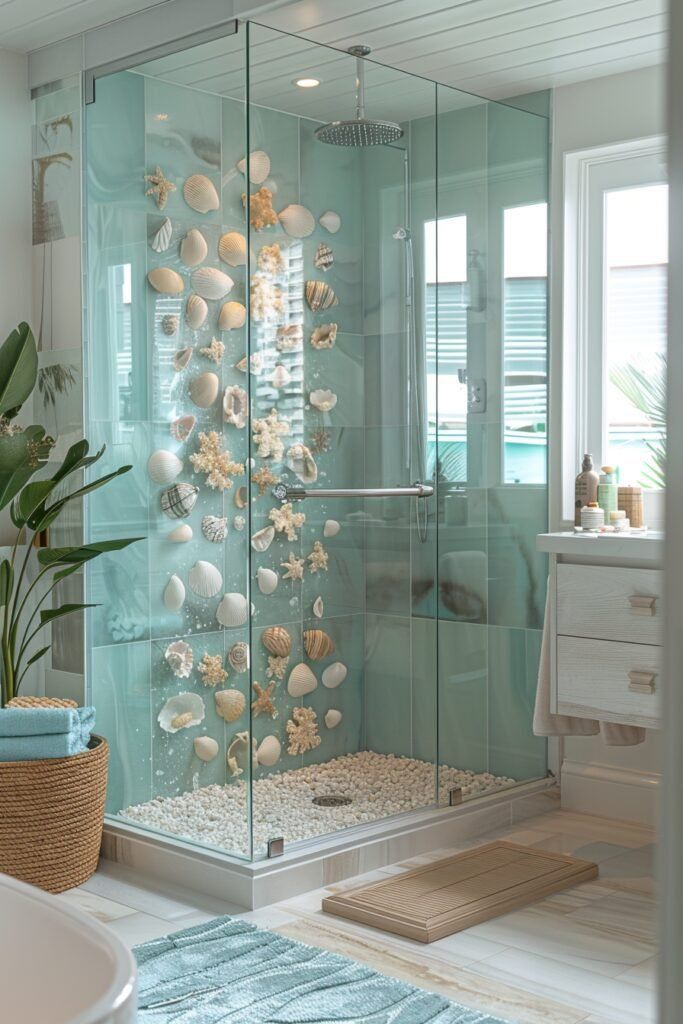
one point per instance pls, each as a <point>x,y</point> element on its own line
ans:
<point>36,656</point>
<point>16,466</point>
<point>6,580</point>
<point>50,614</point>
<point>77,458</point>
<point>44,515</point>
<point>31,497</point>
<point>18,370</point>
<point>84,553</point>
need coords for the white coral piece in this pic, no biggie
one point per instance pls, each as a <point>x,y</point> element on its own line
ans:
<point>268,434</point>
<point>215,461</point>
<point>317,558</point>
<point>302,729</point>
<point>286,520</point>
<point>179,657</point>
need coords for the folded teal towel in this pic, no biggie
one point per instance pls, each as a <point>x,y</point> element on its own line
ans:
<point>35,748</point>
<point>29,734</point>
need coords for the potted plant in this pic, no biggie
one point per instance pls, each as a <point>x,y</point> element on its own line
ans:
<point>51,810</point>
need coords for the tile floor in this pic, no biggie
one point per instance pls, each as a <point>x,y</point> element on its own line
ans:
<point>585,955</point>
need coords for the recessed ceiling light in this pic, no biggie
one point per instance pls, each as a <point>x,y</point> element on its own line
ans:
<point>307,83</point>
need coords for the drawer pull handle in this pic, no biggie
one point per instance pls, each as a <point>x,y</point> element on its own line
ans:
<point>642,682</point>
<point>642,605</point>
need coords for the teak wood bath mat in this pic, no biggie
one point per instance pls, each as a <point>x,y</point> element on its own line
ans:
<point>457,892</point>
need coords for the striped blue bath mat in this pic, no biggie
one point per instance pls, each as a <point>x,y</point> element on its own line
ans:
<point>227,971</point>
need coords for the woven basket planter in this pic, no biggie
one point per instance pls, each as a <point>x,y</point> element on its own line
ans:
<point>51,815</point>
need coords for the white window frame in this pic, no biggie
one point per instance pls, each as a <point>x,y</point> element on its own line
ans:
<point>587,174</point>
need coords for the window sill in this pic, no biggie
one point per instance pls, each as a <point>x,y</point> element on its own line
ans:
<point>599,546</point>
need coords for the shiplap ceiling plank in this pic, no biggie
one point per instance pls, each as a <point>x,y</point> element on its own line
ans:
<point>28,24</point>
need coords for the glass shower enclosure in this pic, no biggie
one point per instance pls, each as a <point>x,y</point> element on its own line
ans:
<point>322,348</point>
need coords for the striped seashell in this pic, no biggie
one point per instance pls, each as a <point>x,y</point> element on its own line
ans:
<point>196,312</point>
<point>232,248</point>
<point>182,358</point>
<point>259,166</point>
<point>324,336</point>
<point>238,656</point>
<point>320,296</point>
<point>166,281</point>
<point>301,681</point>
<point>174,594</point>
<point>170,323</point>
<point>200,193</point>
<point>163,466</point>
<point>182,427</point>
<point>215,528</point>
<point>232,316</point>
<point>297,220</point>
<point>277,641</point>
<point>324,257</point>
<point>211,283</point>
<point>162,238</point>
<point>331,221</point>
<point>317,644</point>
<point>233,610</point>
<point>204,389</point>
<point>179,500</point>
<point>229,704</point>
<point>193,248</point>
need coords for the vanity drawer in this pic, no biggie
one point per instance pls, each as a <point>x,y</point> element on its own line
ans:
<point>611,681</point>
<point>610,603</point>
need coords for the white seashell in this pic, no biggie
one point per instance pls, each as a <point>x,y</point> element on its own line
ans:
<point>181,712</point>
<point>232,248</point>
<point>179,500</point>
<point>162,238</point>
<point>182,358</point>
<point>318,608</point>
<point>241,497</point>
<point>289,338</point>
<point>196,312</point>
<point>236,406</point>
<point>169,324</point>
<point>181,534</point>
<point>233,610</point>
<point>301,462</point>
<point>174,593</point>
<point>297,221</point>
<point>229,704</point>
<point>255,363</point>
<point>331,528</point>
<point>268,751</point>
<point>301,681</point>
<point>323,399</point>
<point>166,281</point>
<point>182,427</point>
<point>281,376</point>
<point>262,539</point>
<point>238,656</point>
<point>193,248</point>
<point>232,316</point>
<point>205,580</point>
<point>179,657</point>
<point>259,166</point>
<point>204,389</point>
<point>334,674</point>
<point>205,747</point>
<point>331,221</point>
<point>239,522</point>
<point>163,466</point>
<point>211,283</point>
<point>324,336</point>
<point>332,718</point>
<point>215,528</point>
<point>200,193</point>
<point>238,753</point>
<point>267,580</point>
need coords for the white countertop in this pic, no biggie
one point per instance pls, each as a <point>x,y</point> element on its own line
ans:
<point>648,546</point>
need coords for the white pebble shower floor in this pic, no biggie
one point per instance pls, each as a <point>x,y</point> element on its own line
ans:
<point>379,785</point>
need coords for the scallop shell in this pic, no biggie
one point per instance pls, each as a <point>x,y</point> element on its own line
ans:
<point>334,674</point>
<point>170,323</point>
<point>179,500</point>
<point>181,534</point>
<point>193,248</point>
<point>204,389</point>
<point>204,578</point>
<point>215,528</point>
<point>301,681</point>
<point>200,193</point>
<point>289,338</point>
<point>297,221</point>
<point>162,238</point>
<point>179,657</point>
<point>236,406</point>
<point>166,281</point>
<point>262,539</point>
<point>233,610</point>
<point>182,427</point>
<point>302,463</point>
<point>229,704</point>
<point>317,644</point>
<point>232,316</point>
<point>331,221</point>
<point>211,283</point>
<point>324,257</point>
<point>277,641</point>
<point>232,248</point>
<point>181,712</point>
<point>163,466</point>
<point>182,358</point>
<point>205,747</point>
<point>259,166</point>
<point>268,751</point>
<point>318,608</point>
<point>319,296</point>
<point>238,656</point>
<point>323,399</point>
<point>196,312</point>
<point>174,593</point>
<point>267,580</point>
<point>331,528</point>
<point>280,377</point>
<point>332,718</point>
<point>241,497</point>
<point>324,336</point>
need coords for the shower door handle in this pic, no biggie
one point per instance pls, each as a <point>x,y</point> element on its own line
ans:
<point>417,490</point>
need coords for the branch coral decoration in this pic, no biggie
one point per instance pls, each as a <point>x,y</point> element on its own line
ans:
<point>215,461</point>
<point>318,558</point>
<point>261,212</point>
<point>161,187</point>
<point>264,478</point>
<point>211,670</point>
<point>263,702</point>
<point>271,260</point>
<point>294,567</point>
<point>277,666</point>
<point>268,434</point>
<point>214,351</point>
<point>286,520</point>
<point>302,729</point>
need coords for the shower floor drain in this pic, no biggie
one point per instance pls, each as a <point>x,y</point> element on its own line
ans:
<point>331,801</point>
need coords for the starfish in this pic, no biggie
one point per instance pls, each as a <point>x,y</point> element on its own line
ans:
<point>294,567</point>
<point>161,187</point>
<point>214,351</point>
<point>276,667</point>
<point>211,670</point>
<point>263,702</point>
<point>264,478</point>
<point>286,520</point>
<point>317,558</point>
<point>215,461</point>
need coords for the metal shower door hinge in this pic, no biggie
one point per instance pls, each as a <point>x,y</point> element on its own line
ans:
<point>276,847</point>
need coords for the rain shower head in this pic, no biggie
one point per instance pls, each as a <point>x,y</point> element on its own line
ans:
<point>360,131</point>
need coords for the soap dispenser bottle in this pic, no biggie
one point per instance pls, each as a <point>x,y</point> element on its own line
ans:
<point>586,488</point>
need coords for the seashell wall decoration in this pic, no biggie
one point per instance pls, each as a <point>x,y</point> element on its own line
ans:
<point>236,406</point>
<point>174,594</point>
<point>319,296</point>
<point>318,607</point>
<point>211,669</point>
<point>241,497</point>
<point>324,336</point>
<point>259,166</point>
<point>332,718</point>
<point>181,534</point>
<point>297,221</point>
<point>261,212</point>
<point>179,500</point>
<point>280,377</point>
<point>331,221</point>
<point>181,428</point>
<point>255,363</point>
<point>182,358</point>
<point>238,753</point>
<point>215,528</point>
<point>193,248</point>
<point>301,681</point>
<point>214,351</point>
<point>323,399</point>
<point>262,539</point>
<point>238,656</point>
<point>289,338</point>
<point>162,238</point>
<point>277,641</point>
<point>232,611</point>
<point>205,579</point>
<point>196,312</point>
<point>270,259</point>
<point>211,283</point>
<point>331,528</point>
<point>334,674</point>
<point>232,316</point>
<point>324,257</point>
<point>317,644</point>
<point>204,389</point>
<point>205,747</point>
<point>170,323</point>
<point>302,463</point>
<point>268,751</point>
<point>267,580</point>
<point>163,466</point>
<point>232,248</point>
<point>302,730</point>
<point>166,281</point>
<point>239,522</point>
<point>160,187</point>
<point>179,657</point>
<point>229,704</point>
<point>200,193</point>
<point>181,712</point>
